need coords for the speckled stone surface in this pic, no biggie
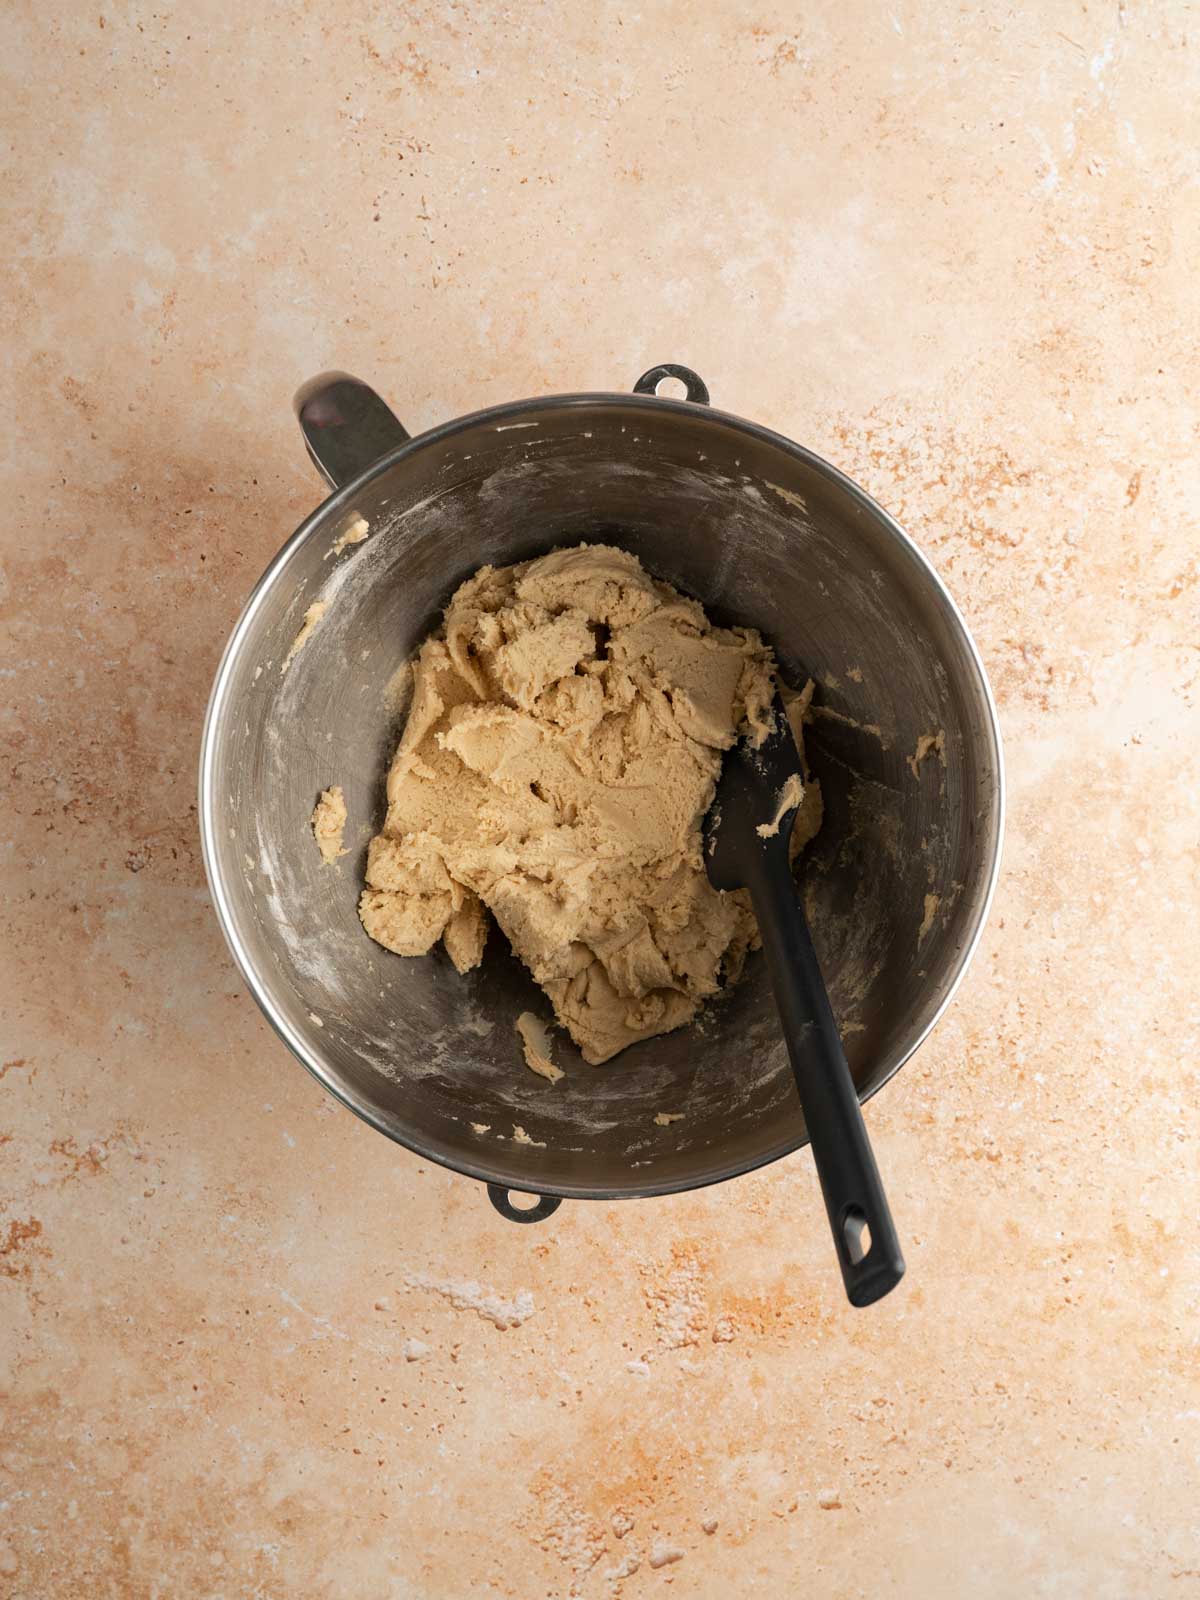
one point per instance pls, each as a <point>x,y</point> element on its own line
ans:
<point>951,248</point>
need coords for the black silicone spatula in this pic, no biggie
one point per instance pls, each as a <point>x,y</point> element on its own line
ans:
<point>746,837</point>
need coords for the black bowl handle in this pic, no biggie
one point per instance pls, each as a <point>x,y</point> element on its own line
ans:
<point>697,389</point>
<point>547,1204</point>
<point>346,426</point>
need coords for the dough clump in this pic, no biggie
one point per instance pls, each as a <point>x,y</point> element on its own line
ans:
<point>329,824</point>
<point>565,734</point>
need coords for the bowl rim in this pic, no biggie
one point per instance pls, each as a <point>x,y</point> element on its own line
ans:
<point>329,509</point>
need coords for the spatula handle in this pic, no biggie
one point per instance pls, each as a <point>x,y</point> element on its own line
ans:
<point>850,1179</point>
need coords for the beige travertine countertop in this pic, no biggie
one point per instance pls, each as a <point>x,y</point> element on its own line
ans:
<point>952,248</point>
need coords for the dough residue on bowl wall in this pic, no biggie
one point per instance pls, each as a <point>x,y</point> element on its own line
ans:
<point>311,618</point>
<point>329,824</point>
<point>927,744</point>
<point>521,1137</point>
<point>355,531</point>
<point>535,1042</point>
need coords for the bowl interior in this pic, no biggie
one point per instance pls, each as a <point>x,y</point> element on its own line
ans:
<point>896,883</point>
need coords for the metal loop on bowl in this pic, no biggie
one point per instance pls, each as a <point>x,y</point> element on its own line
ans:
<point>547,1204</point>
<point>697,389</point>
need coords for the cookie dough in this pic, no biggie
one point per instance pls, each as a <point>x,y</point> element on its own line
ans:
<point>355,531</point>
<point>329,824</point>
<point>311,618</point>
<point>789,796</point>
<point>564,738</point>
<point>535,1042</point>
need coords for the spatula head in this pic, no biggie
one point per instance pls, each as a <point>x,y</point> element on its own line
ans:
<point>759,789</point>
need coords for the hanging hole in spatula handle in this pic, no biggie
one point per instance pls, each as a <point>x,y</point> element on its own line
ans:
<point>697,389</point>
<point>856,1234</point>
<point>870,1269</point>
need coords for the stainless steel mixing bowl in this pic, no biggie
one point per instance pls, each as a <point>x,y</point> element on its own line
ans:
<point>761,531</point>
